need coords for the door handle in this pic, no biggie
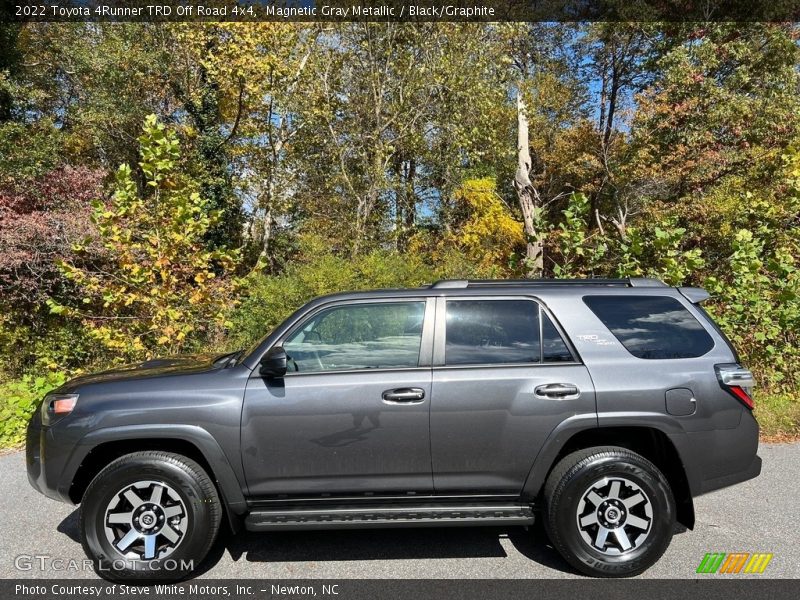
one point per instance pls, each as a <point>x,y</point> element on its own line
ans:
<point>404,396</point>
<point>556,390</point>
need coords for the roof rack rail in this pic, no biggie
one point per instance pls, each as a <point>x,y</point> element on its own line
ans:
<point>476,283</point>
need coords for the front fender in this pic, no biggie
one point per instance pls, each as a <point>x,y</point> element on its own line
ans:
<point>222,472</point>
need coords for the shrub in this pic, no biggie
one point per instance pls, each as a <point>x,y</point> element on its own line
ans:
<point>18,400</point>
<point>757,299</point>
<point>159,289</point>
<point>269,299</point>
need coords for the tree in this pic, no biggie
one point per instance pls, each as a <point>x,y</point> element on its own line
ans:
<point>617,57</point>
<point>529,200</point>
<point>723,103</point>
<point>550,118</point>
<point>40,220</point>
<point>263,73</point>
<point>392,125</point>
<point>159,287</point>
<point>9,59</point>
<point>483,228</point>
<point>200,88</point>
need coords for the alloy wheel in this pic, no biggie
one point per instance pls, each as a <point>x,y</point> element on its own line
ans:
<point>614,515</point>
<point>145,520</point>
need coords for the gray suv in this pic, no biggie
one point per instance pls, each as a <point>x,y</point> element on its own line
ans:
<point>602,407</point>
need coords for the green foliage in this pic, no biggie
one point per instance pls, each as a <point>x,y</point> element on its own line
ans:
<point>268,300</point>
<point>161,288</point>
<point>367,155</point>
<point>50,344</point>
<point>18,400</point>
<point>724,104</point>
<point>758,294</point>
<point>579,251</point>
<point>651,250</point>
<point>27,151</point>
<point>657,251</point>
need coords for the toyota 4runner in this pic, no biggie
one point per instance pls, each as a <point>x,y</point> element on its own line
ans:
<point>602,407</point>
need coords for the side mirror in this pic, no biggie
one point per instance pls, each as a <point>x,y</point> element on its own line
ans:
<point>273,363</point>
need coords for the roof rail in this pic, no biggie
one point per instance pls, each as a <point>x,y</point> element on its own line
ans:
<point>476,283</point>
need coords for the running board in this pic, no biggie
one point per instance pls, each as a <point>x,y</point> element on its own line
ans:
<point>390,516</point>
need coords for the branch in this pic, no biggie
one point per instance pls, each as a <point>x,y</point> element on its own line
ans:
<point>238,116</point>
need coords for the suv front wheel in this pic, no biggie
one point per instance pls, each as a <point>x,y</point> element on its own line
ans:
<point>149,516</point>
<point>609,511</point>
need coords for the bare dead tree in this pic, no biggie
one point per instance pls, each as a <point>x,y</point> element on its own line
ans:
<point>529,199</point>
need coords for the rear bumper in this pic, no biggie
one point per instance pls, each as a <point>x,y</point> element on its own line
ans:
<point>709,485</point>
<point>718,458</point>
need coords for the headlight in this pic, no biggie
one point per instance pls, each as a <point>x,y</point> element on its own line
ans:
<point>56,406</point>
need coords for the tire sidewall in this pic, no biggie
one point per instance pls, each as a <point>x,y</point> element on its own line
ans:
<point>661,528</point>
<point>108,561</point>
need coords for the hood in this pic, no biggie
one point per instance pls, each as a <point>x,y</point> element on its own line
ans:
<point>171,365</point>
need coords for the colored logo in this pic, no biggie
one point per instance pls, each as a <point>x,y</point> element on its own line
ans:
<point>736,562</point>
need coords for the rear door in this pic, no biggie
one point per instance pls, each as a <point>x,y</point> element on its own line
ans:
<point>503,378</point>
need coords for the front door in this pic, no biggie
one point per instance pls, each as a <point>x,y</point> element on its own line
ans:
<point>352,413</point>
<point>503,379</point>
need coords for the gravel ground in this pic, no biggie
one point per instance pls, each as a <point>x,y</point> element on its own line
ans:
<point>757,516</point>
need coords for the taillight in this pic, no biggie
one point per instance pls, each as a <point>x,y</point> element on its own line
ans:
<point>737,381</point>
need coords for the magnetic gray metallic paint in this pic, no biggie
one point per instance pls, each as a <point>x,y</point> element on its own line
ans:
<point>516,438</point>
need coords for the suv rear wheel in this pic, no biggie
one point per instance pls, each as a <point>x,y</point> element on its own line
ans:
<point>609,511</point>
<point>149,516</point>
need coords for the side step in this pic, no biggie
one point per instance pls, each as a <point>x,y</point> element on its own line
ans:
<point>389,516</point>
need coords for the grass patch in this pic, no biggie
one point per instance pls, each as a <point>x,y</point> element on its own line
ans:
<point>779,415</point>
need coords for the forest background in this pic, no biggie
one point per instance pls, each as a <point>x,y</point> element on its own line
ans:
<point>174,188</point>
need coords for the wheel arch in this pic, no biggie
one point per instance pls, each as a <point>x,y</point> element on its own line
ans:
<point>101,447</point>
<point>651,442</point>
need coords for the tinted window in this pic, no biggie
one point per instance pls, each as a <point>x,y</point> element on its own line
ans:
<point>358,336</point>
<point>553,347</point>
<point>652,326</point>
<point>492,332</point>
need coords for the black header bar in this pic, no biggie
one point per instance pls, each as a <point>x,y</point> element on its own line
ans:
<point>398,10</point>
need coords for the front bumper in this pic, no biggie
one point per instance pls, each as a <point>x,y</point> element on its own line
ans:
<point>45,461</point>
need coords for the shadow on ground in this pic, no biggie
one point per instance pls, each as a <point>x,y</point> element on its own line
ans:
<point>386,544</point>
<point>373,544</point>
<point>370,544</point>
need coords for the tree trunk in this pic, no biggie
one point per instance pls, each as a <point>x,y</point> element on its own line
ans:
<point>527,195</point>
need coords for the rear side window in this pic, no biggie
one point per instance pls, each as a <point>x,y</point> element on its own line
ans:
<point>481,332</point>
<point>652,327</point>
<point>553,347</point>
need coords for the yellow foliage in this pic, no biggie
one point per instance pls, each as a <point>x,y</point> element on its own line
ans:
<point>486,233</point>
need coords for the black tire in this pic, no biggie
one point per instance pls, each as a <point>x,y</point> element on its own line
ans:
<point>574,518</point>
<point>188,503</point>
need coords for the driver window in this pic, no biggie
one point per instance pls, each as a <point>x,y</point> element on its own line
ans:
<point>383,335</point>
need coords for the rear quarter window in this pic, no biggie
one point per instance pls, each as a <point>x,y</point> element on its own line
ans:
<point>652,327</point>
